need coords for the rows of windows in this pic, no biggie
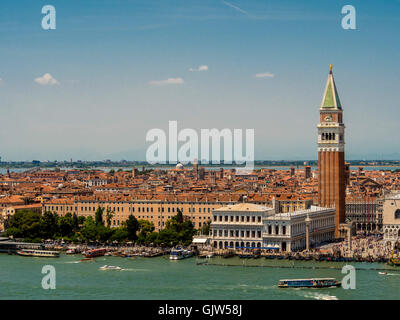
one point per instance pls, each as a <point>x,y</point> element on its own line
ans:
<point>130,209</point>
<point>276,230</point>
<point>237,218</point>
<point>237,233</point>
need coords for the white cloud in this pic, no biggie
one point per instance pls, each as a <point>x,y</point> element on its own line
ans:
<point>201,68</point>
<point>265,75</point>
<point>167,82</point>
<point>46,80</point>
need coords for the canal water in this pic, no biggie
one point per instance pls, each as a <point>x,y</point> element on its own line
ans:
<point>160,278</point>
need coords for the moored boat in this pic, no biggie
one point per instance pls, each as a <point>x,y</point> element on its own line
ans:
<point>176,254</point>
<point>72,250</point>
<point>94,253</point>
<point>179,254</point>
<point>309,283</point>
<point>38,253</point>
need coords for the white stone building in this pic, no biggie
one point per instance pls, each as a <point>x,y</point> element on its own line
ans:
<point>255,226</point>
<point>287,231</point>
<point>239,225</point>
<point>391,219</point>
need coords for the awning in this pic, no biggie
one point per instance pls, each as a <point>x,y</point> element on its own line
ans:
<point>199,240</point>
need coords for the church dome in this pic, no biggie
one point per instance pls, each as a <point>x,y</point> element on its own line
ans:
<point>179,166</point>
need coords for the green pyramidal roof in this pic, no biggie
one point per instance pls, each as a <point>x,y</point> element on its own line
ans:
<point>331,97</point>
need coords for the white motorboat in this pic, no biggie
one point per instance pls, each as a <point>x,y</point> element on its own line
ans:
<point>176,254</point>
<point>106,267</point>
<point>179,254</point>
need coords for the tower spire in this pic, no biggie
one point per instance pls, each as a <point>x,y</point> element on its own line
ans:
<point>330,98</point>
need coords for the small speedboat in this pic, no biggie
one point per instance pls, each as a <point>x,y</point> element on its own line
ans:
<point>72,251</point>
<point>382,272</point>
<point>106,267</point>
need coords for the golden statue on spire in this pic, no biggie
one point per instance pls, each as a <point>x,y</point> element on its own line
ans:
<point>330,67</point>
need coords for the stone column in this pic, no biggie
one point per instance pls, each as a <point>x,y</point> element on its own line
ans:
<point>349,236</point>
<point>307,220</point>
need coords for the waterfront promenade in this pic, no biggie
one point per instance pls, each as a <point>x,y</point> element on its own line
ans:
<point>363,249</point>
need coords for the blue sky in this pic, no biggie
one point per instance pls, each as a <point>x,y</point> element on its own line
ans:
<point>107,57</point>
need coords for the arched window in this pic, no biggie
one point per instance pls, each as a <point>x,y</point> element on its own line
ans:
<point>397,214</point>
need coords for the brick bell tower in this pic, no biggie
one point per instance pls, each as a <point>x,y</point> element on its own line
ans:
<point>331,165</point>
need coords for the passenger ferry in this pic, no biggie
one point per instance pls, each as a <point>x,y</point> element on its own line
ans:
<point>38,253</point>
<point>94,253</point>
<point>309,283</point>
<point>179,254</point>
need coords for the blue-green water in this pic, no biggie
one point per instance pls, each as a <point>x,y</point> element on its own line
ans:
<point>160,278</point>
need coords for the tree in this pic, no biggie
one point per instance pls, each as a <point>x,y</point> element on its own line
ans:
<point>103,233</point>
<point>49,225</point>
<point>24,224</point>
<point>65,225</point>
<point>187,232</point>
<point>146,228</point>
<point>119,234</point>
<point>81,220</point>
<point>109,216</point>
<point>206,227</point>
<point>75,222</point>
<point>167,237</point>
<point>89,231</point>
<point>132,227</point>
<point>177,230</point>
<point>99,216</point>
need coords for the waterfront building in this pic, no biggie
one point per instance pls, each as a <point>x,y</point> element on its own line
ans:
<point>391,219</point>
<point>365,214</point>
<point>161,207</point>
<point>291,231</point>
<point>331,165</point>
<point>239,225</point>
<point>247,225</point>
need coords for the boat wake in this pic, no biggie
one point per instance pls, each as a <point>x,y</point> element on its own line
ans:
<point>135,270</point>
<point>320,296</point>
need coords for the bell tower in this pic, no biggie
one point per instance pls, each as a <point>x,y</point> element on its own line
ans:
<point>331,165</point>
